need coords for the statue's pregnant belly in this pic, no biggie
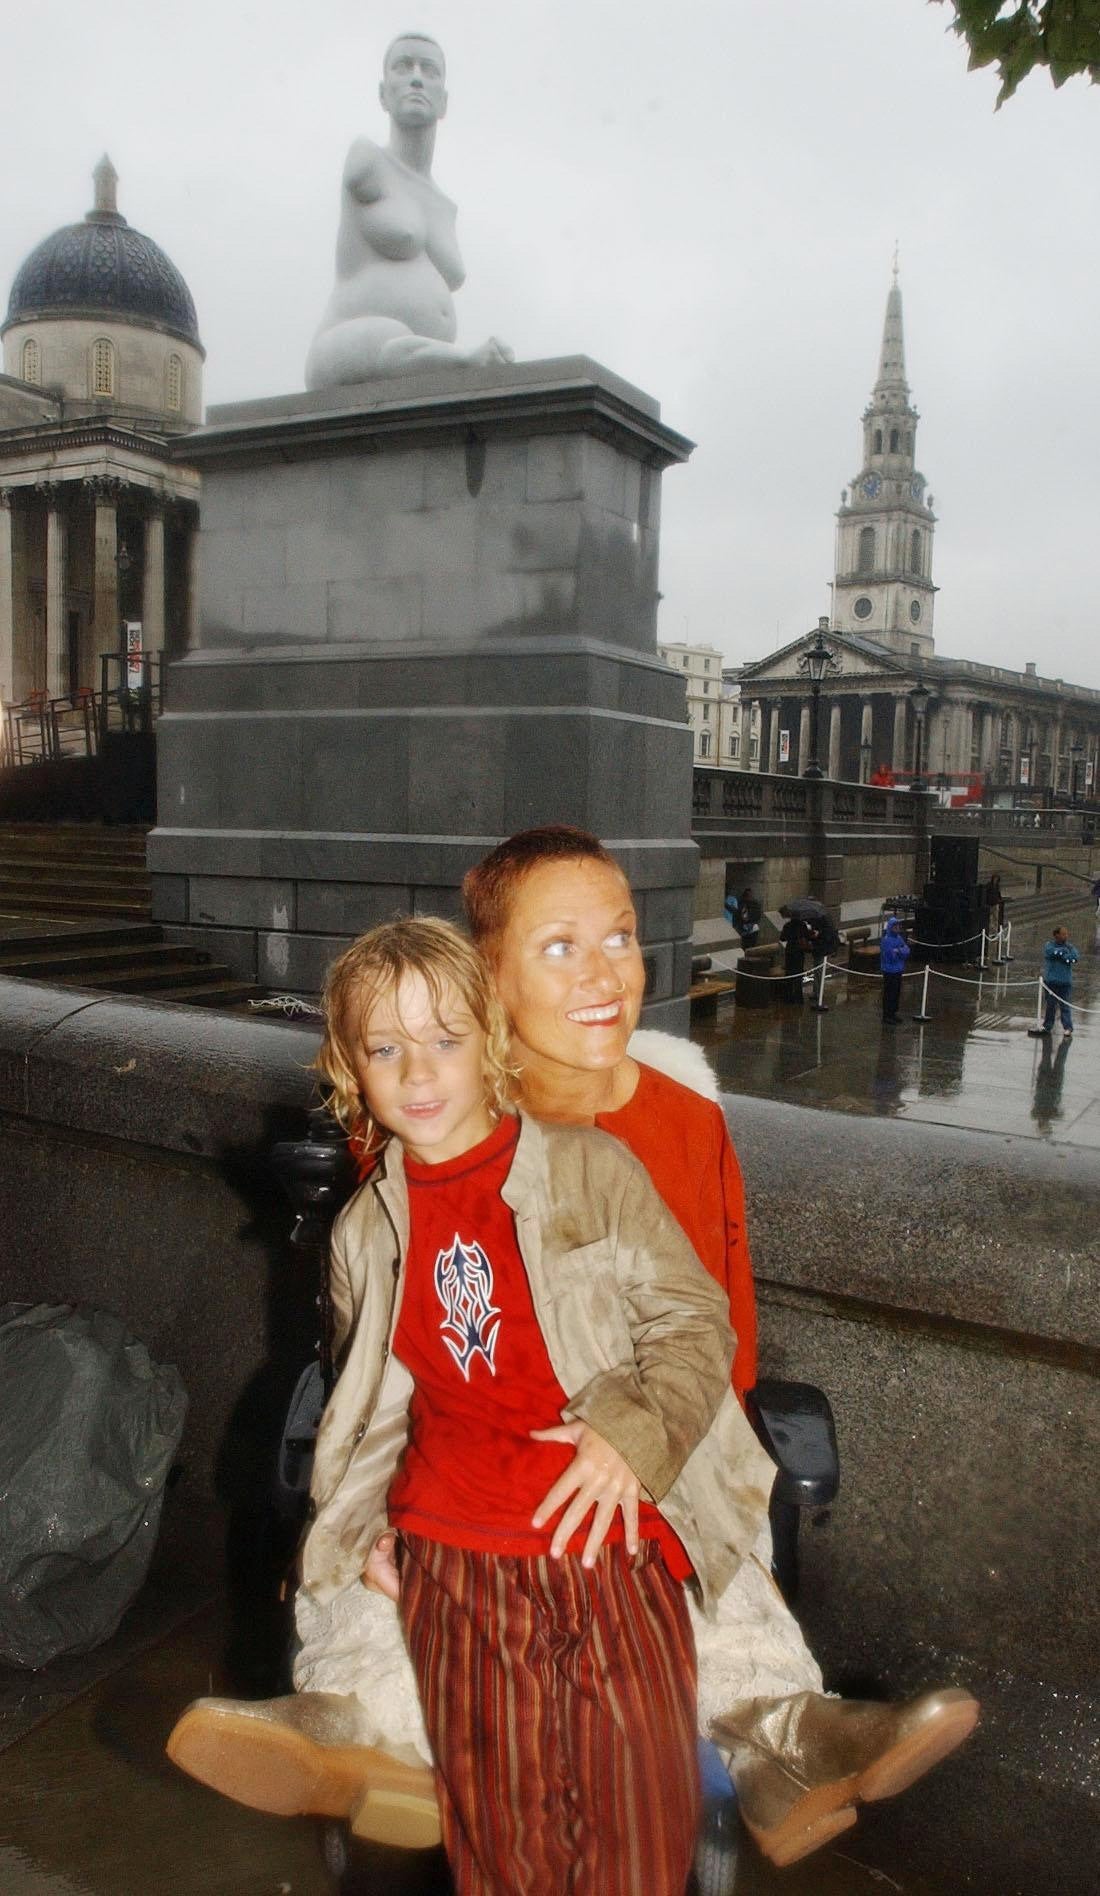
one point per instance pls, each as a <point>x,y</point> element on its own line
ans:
<point>410,291</point>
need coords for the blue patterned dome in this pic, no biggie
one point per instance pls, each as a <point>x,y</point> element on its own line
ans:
<point>103,268</point>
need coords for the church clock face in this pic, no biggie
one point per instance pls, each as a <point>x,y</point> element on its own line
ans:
<point>914,610</point>
<point>872,486</point>
<point>864,607</point>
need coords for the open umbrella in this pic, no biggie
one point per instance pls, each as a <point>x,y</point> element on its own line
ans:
<point>805,908</point>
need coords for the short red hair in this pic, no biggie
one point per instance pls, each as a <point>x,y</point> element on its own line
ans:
<point>488,890</point>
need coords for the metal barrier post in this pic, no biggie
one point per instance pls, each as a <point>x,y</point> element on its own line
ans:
<point>1008,941</point>
<point>981,955</point>
<point>998,958</point>
<point>924,1014</point>
<point>818,1006</point>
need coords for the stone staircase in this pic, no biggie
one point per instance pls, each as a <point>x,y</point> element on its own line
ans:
<point>75,912</point>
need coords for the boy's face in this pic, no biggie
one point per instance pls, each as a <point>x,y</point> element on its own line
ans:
<point>421,1071</point>
<point>569,969</point>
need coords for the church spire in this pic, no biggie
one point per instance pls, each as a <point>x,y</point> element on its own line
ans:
<point>891,361</point>
<point>883,588</point>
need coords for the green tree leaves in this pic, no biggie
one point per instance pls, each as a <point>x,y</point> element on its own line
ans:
<point>1017,35</point>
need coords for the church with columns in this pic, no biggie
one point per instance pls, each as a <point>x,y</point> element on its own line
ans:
<point>890,707</point>
<point>102,367</point>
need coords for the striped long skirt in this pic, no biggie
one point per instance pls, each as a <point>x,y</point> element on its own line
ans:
<point>560,1703</point>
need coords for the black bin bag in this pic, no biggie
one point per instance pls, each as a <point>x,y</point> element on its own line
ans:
<point>88,1428</point>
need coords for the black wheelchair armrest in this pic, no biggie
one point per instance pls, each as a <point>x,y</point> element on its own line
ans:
<point>794,1422</point>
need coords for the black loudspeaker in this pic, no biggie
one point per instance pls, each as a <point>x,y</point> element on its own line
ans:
<point>955,861</point>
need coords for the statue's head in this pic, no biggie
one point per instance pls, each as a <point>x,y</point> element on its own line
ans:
<point>414,72</point>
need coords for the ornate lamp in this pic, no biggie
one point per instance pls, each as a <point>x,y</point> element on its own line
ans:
<point>818,661</point>
<point>918,698</point>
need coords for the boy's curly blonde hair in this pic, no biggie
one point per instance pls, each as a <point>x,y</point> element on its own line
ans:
<point>372,969</point>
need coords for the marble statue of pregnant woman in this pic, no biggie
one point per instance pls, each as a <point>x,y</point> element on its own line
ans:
<point>397,257</point>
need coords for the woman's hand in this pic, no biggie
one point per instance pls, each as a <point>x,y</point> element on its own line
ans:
<point>597,1477</point>
<point>380,1572</point>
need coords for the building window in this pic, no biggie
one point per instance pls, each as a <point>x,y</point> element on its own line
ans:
<point>173,399</point>
<point>706,664</point>
<point>103,367</point>
<point>706,686</point>
<point>32,361</point>
<point>704,743</point>
<point>706,713</point>
<point>878,440</point>
<point>914,648</point>
<point>754,749</point>
<point>863,607</point>
<point>893,440</point>
<point>735,744</point>
<point>866,550</point>
<point>915,565</point>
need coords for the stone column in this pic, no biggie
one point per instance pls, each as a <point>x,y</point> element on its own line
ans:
<point>193,638</point>
<point>775,713</point>
<point>7,612</point>
<point>152,591</point>
<point>57,678</point>
<point>834,741</point>
<point>900,709</point>
<point>107,634</point>
<point>802,756</point>
<point>866,737</point>
<point>989,759</point>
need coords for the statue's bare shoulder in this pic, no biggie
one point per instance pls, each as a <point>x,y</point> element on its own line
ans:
<point>365,170</point>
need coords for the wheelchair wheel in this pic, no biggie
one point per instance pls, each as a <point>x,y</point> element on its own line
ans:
<point>718,1849</point>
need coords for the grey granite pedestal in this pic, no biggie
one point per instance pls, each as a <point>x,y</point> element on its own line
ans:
<point>428,618</point>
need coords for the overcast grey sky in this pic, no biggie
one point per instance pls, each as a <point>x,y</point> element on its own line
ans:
<point>705,197</point>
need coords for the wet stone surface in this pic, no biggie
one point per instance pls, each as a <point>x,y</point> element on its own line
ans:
<point>972,1064</point>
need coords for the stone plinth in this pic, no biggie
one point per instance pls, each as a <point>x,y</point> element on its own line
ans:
<point>428,618</point>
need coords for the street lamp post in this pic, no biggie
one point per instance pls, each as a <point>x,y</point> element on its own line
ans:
<point>817,660</point>
<point>919,697</point>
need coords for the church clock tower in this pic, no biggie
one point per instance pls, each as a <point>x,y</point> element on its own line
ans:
<point>883,587</point>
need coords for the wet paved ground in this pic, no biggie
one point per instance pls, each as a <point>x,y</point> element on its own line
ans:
<point>971,1065</point>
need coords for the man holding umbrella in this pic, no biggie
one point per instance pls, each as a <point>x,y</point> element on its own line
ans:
<point>808,927</point>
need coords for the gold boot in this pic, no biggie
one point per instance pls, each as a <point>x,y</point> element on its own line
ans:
<point>800,1765</point>
<point>304,1756</point>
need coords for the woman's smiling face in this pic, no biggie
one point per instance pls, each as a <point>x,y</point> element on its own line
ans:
<point>568,967</point>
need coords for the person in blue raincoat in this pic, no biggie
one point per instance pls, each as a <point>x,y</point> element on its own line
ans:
<point>893,955</point>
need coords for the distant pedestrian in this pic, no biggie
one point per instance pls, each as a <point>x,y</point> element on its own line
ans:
<point>893,955</point>
<point>994,896</point>
<point>1096,893</point>
<point>1059,958</point>
<point>796,938</point>
<point>750,914</point>
<point>731,909</point>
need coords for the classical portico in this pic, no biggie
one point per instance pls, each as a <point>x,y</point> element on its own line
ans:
<point>98,521</point>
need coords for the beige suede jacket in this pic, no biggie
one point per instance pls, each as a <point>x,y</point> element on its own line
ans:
<point>636,1330</point>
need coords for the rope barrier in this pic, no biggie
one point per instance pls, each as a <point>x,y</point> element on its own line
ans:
<point>915,942</point>
<point>1081,1009</point>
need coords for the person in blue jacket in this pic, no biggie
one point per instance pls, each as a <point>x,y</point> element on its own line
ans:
<point>893,955</point>
<point>1059,956</point>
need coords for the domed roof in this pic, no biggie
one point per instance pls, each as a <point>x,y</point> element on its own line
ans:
<point>103,268</point>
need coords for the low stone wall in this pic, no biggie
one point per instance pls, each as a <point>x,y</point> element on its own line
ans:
<point>940,1285</point>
